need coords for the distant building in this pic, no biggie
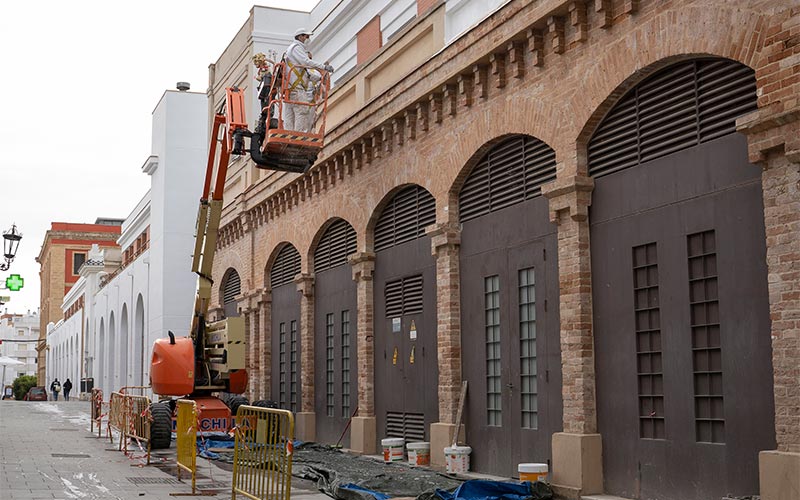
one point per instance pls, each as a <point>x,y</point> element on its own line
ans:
<point>128,295</point>
<point>19,333</point>
<point>63,252</point>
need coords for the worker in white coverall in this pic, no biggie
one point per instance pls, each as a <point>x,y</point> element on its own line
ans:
<point>300,67</point>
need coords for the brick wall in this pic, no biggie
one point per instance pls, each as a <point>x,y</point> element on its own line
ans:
<point>424,5</point>
<point>369,40</point>
<point>549,69</point>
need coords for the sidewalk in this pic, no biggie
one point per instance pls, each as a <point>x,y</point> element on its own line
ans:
<point>48,452</point>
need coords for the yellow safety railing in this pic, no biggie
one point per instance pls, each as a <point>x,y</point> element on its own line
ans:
<point>97,411</point>
<point>262,458</point>
<point>137,423</point>
<point>116,416</point>
<point>187,440</point>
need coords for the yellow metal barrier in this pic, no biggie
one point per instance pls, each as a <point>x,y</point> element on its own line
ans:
<point>97,411</point>
<point>137,423</point>
<point>116,416</point>
<point>187,439</point>
<point>262,459</point>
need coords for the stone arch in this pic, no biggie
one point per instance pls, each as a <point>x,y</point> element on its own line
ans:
<point>124,345</point>
<point>463,174</point>
<point>271,261</point>
<point>101,355</point>
<point>230,307</point>
<point>629,60</point>
<point>139,341</point>
<point>312,248</point>
<point>112,351</point>
<point>378,210</point>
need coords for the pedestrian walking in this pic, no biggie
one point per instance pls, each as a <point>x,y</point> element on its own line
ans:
<point>67,388</point>
<point>55,388</point>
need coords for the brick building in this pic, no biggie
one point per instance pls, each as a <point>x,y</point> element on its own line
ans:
<point>63,252</point>
<point>590,211</point>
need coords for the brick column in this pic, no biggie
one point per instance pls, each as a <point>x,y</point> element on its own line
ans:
<point>577,452</point>
<point>773,138</point>
<point>306,418</point>
<point>445,246</point>
<point>363,427</point>
<point>265,344</point>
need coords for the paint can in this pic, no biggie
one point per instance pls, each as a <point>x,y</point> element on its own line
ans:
<point>457,458</point>
<point>393,449</point>
<point>419,453</point>
<point>532,472</point>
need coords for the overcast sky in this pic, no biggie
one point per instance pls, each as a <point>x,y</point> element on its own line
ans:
<point>80,80</point>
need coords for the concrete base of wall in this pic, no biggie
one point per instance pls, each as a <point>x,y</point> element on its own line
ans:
<point>779,475</point>
<point>577,464</point>
<point>305,426</point>
<point>441,438</point>
<point>363,435</point>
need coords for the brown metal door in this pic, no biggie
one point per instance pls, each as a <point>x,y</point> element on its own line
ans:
<point>335,352</point>
<point>681,325</point>
<point>406,366</point>
<point>509,311</point>
<point>286,346</point>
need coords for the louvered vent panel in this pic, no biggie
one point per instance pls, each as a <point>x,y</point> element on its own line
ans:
<point>394,298</point>
<point>336,244</point>
<point>404,296</point>
<point>232,288</point>
<point>405,217</point>
<point>286,266</point>
<point>511,172</point>
<point>672,110</point>
<point>409,426</point>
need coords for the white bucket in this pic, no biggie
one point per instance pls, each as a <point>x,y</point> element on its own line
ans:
<point>532,472</point>
<point>457,458</point>
<point>393,449</point>
<point>419,453</point>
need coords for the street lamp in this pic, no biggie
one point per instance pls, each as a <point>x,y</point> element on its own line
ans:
<point>10,244</point>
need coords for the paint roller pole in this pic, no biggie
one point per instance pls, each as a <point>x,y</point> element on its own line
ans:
<point>460,413</point>
<point>349,420</point>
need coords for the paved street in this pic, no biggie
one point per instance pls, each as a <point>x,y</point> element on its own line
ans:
<point>46,451</point>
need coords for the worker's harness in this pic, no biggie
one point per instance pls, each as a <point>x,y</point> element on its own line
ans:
<point>300,81</point>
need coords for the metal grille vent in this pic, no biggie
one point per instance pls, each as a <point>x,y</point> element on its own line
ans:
<point>409,426</point>
<point>154,480</point>
<point>336,244</point>
<point>404,296</point>
<point>674,109</point>
<point>405,217</point>
<point>286,266</point>
<point>232,287</point>
<point>510,173</point>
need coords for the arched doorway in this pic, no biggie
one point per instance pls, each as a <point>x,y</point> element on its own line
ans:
<point>406,366</point>
<point>113,376</point>
<point>139,342</point>
<point>335,352</point>
<point>509,313</point>
<point>123,347</point>
<point>679,288</point>
<point>101,358</point>
<point>285,328</point>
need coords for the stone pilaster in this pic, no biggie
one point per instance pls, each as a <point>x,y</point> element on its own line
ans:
<point>363,430</point>
<point>773,139</point>
<point>579,447</point>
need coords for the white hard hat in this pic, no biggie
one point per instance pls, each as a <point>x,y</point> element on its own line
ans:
<point>302,31</point>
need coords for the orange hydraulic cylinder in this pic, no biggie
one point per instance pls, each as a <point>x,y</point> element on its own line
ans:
<point>172,367</point>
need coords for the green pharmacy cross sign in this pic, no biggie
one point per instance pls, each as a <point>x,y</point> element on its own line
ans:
<point>15,282</point>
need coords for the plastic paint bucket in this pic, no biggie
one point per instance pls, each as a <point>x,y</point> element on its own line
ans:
<point>419,453</point>
<point>457,458</point>
<point>532,472</point>
<point>393,449</point>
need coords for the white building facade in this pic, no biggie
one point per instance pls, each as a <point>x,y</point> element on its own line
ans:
<point>19,333</point>
<point>112,317</point>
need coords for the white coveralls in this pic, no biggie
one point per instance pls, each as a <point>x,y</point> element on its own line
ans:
<point>302,83</point>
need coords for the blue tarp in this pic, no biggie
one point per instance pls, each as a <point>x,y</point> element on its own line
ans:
<point>353,486</point>
<point>480,489</point>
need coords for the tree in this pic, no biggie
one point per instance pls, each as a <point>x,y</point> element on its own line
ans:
<point>22,384</point>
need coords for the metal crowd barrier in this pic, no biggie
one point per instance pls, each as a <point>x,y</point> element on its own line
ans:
<point>97,411</point>
<point>130,388</point>
<point>137,423</point>
<point>116,416</point>
<point>262,458</point>
<point>186,432</point>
